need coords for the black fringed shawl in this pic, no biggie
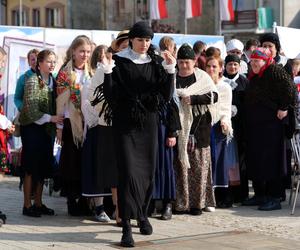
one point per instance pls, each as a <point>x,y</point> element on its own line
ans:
<point>132,91</point>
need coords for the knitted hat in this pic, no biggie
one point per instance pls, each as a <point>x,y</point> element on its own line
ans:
<point>232,58</point>
<point>272,38</point>
<point>123,35</point>
<point>185,52</point>
<point>234,44</point>
<point>141,29</point>
<point>261,53</point>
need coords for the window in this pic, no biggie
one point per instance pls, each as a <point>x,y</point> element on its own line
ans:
<point>36,18</point>
<point>142,9</point>
<point>16,17</point>
<point>118,9</point>
<point>55,15</point>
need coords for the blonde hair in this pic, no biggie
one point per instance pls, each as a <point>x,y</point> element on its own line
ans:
<point>78,41</point>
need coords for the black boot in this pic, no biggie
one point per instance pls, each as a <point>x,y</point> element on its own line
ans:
<point>145,227</point>
<point>167,212</point>
<point>73,209</point>
<point>127,240</point>
<point>2,218</point>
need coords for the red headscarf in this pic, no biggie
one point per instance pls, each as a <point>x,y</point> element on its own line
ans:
<point>264,54</point>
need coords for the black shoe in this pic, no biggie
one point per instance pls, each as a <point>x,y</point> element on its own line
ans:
<point>127,240</point>
<point>273,204</point>
<point>224,204</point>
<point>145,227</point>
<point>167,212</point>
<point>31,211</point>
<point>253,201</point>
<point>181,212</point>
<point>3,217</point>
<point>195,211</point>
<point>44,210</point>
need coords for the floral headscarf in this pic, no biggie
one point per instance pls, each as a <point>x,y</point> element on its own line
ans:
<point>263,54</point>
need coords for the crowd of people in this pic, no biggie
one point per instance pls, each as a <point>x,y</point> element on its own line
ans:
<point>148,130</point>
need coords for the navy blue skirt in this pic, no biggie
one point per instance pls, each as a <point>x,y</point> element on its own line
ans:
<point>224,158</point>
<point>164,182</point>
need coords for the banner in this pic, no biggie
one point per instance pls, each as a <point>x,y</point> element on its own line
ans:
<point>289,41</point>
<point>158,9</point>
<point>226,10</point>
<point>193,8</point>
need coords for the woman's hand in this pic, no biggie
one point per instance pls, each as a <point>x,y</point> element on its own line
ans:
<point>171,142</point>
<point>59,136</point>
<point>186,99</point>
<point>107,60</point>
<point>168,57</point>
<point>224,127</point>
<point>281,114</point>
<point>58,119</point>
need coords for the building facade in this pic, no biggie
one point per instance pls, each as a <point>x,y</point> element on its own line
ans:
<point>71,14</point>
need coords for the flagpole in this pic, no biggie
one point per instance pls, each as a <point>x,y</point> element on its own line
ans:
<point>149,9</point>
<point>185,20</point>
<point>218,22</point>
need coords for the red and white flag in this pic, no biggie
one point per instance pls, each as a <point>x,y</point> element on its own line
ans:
<point>193,8</point>
<point>226,10</point>
<point>158,9</point>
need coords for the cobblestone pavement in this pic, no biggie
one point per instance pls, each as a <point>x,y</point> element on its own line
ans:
<point>236,228</point>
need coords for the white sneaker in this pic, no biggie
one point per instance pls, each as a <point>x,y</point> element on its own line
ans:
<point>209,209</point>
<point>102,217</point>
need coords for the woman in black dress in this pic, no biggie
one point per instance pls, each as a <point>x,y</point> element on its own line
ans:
<point>267,98</point>
<point>136,86</point>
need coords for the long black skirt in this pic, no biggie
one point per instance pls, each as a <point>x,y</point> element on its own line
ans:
<point>265,144</point>
<point>136,161</point>
<point>99,164</point>
<point>37,157</point>
<point>70,164</point>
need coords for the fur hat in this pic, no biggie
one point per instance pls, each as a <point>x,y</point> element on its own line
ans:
<point>272,38</point>
<point>141,29</point>
<point>232,58</point>
<point>234,44</point>
<point>185,52</point>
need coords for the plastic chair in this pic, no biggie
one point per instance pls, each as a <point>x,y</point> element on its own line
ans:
<point>295,141</point>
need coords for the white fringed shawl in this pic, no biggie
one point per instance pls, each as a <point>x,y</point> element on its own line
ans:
<point>203,85</point>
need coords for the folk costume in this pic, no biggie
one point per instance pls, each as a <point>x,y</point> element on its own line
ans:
<point>193,169</point>
<point>135,89</point>
<point>238,84</point>
<point>37,131</point>
<point>5,124</point>
<point>69,85</point>
<point>270,90</point>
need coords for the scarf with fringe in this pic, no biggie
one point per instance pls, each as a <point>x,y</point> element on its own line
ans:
<point>203,85</point>
<point>69,95</point>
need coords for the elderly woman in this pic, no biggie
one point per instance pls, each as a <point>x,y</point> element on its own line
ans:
<point>267,98</point>
<point>197,93</point>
